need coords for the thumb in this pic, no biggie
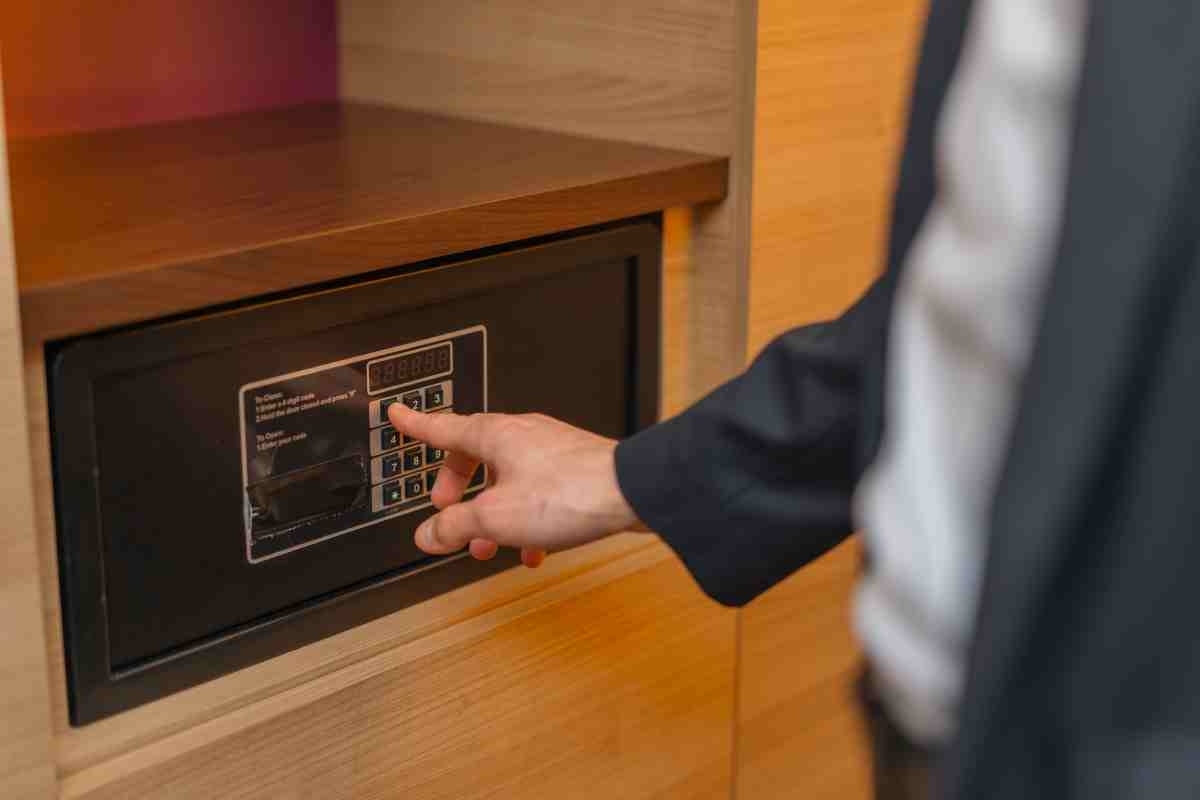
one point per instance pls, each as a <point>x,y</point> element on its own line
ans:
<point>452,529</point>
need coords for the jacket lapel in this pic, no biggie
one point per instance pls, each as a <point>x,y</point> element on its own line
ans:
<point>1125,230</point>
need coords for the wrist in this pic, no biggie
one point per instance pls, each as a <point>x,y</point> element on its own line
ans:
<point>618,505</point>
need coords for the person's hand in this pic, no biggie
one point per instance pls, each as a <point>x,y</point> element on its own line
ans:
<point>553,486</point>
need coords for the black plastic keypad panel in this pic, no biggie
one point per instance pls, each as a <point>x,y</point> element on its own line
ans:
<point>320,457</point>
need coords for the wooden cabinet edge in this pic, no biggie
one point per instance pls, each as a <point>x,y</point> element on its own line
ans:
<point>26,764</point>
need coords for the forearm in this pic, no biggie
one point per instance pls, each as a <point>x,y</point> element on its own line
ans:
<point>757,478</point>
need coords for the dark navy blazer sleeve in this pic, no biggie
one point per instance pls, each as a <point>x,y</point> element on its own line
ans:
<point>756,479</point>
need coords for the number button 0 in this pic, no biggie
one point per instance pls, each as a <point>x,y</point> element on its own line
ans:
<point>414,487</point>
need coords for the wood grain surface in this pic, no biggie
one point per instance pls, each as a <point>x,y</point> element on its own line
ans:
<point>598,694</point>
<point>659,72</point>
<point>832,91</point>
<point>668,73</point>
<point>799,733</point>
<point>120,226</point>
<point>26,757</point>
<point>832,98</point>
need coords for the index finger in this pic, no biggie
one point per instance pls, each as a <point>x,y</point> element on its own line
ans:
<point>445,430</point>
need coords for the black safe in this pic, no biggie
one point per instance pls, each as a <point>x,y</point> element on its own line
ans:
<point>227,485</point>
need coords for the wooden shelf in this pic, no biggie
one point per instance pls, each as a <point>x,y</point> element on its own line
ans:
<point>121,226</point>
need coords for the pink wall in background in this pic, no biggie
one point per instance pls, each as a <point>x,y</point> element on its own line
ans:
<point>73,65</point>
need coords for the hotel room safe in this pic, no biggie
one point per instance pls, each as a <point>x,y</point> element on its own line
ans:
<point>228,486</point>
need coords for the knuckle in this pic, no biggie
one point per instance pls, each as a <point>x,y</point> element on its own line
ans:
<point>443,532</point>
<point>469,525</point>
<point>483,521</point>
<point>507,427</point>
<point>474,432</point>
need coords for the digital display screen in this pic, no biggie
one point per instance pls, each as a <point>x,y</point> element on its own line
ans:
<point>408,367</point>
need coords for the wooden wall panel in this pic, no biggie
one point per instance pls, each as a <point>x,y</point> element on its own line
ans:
<point>673,73</point>
<point>26,765</point>
<point>653,71</point>
<point>832,91</point>
<point>831,95</point>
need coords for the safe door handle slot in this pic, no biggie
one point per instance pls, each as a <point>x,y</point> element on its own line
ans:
<point>286,501</point>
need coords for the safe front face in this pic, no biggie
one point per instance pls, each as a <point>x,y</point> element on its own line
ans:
<point>228,486</point>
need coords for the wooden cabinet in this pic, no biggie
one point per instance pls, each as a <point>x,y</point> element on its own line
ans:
<point>454,127</point>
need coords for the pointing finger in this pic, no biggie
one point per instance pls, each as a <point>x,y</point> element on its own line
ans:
<point>470,434</point>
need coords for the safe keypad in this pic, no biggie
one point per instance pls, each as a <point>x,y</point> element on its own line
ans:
<point>403,469</point>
